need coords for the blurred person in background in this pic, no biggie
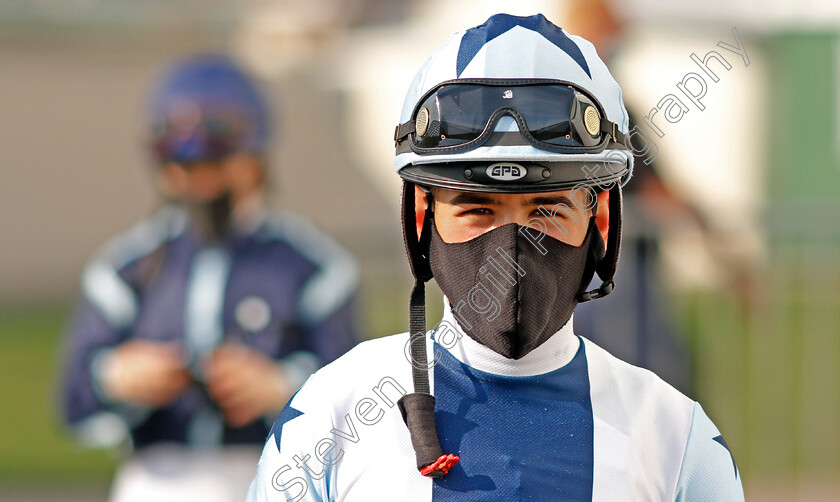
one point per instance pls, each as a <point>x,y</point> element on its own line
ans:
<point>634,322</point>
<point>196,326</point>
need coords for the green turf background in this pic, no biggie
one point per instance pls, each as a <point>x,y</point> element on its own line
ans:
<point>34,448</point>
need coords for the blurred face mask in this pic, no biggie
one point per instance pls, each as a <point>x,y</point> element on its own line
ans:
<point>513,287</point>
<point>212,217</point>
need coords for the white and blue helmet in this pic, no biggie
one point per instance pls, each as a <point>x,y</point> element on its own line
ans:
<point>507,57</point>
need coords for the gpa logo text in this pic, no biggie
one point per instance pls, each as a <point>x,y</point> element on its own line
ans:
<point>506,171</point>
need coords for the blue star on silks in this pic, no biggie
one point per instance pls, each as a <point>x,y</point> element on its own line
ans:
<point>475,38</point>
<point>288,413</point>
<point>722,442</point>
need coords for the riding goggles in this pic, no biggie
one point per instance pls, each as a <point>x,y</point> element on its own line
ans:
<point>210,139</point>
<point>551,115</point>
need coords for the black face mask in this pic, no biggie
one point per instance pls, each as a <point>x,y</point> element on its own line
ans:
<point>513,287</point>
<point>212,217</point>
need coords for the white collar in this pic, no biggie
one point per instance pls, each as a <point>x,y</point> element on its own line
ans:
<point>554,353</point>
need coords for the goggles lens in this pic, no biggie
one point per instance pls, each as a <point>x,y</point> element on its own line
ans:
<point>209,139</point>
<point>555,114</point>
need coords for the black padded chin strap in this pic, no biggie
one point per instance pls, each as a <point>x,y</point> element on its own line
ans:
<point>418,408</point>
<point>607,264</point>
<point>416,248</point>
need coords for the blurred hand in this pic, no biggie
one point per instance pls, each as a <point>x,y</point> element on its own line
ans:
<point>245,383</point>
<point>145,373</point>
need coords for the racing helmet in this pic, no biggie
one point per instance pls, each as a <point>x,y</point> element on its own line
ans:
<point>515,105</point>
<point>205,108</point>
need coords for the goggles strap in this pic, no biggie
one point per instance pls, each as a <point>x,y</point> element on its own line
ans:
<point>611,129</point>
<point>403,130</point>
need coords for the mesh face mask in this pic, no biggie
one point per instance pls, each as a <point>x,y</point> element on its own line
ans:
<point>513,287</point>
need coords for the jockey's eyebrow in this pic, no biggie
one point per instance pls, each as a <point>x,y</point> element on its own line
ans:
<point>473,198</point>
<point>550,201</point>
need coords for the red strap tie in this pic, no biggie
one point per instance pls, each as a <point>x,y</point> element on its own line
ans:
<point>443,464</point>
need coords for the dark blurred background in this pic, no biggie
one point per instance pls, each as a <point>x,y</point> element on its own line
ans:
<point>749,265</point>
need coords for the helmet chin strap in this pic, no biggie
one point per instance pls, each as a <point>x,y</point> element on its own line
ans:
<point>601,291</point>
<point>605,264</point>
<point>418,408</point>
